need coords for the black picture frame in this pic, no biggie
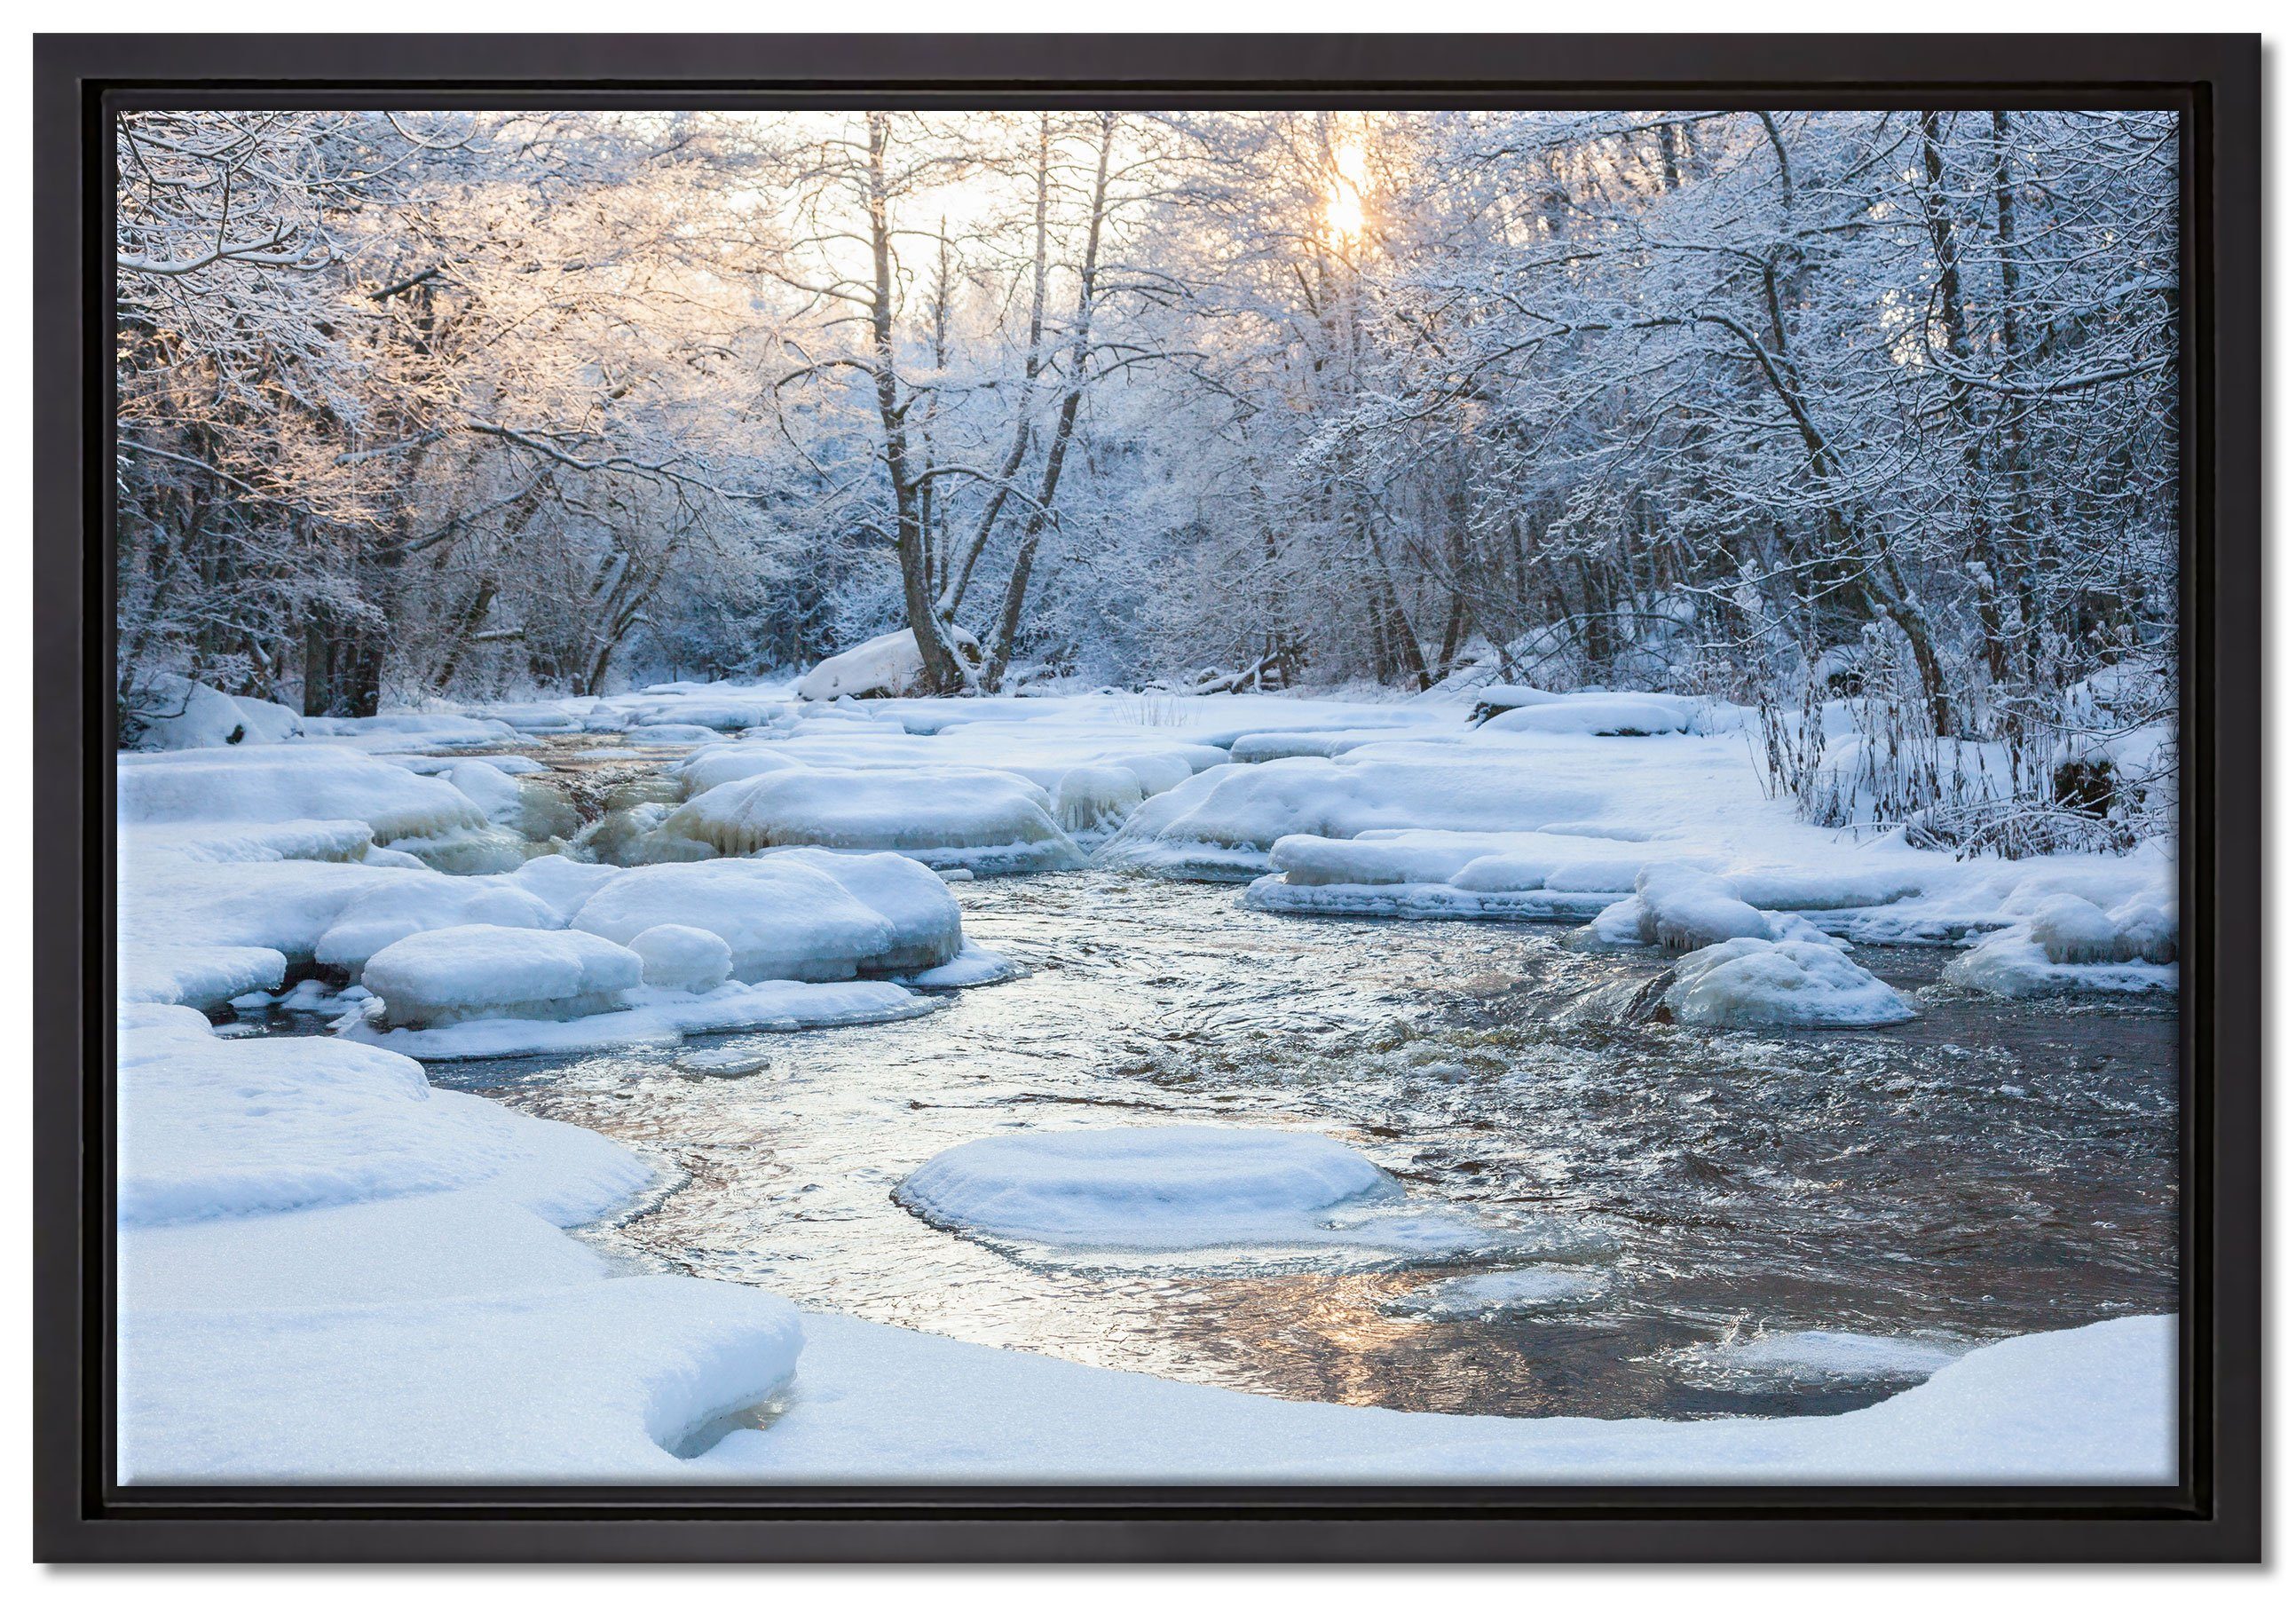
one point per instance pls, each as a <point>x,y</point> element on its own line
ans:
<point>2214,1514</point>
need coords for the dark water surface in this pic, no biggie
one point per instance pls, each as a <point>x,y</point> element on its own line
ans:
<point>1989,1169</point>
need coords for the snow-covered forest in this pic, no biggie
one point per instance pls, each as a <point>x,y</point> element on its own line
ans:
<point>1781,407</point>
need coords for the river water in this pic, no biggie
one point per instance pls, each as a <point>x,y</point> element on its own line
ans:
<point>1989,1169</point>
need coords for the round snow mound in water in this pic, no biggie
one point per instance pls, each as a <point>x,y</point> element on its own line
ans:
<point>1139,1187</point>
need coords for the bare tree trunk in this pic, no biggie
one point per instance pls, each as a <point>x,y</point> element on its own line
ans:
<point>1080,352</point>
<point>1023,418</point>
<point>943,673</point>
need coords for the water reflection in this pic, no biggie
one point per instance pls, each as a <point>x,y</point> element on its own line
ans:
<point>1986,1170</point>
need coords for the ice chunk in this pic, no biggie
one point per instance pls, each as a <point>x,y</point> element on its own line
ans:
<point>1752,982</point>
<point>292,782</point>
<point>461,973</point>
<point>2145,928</point>
<point>1156,1187</point>
<point>479,852</point>
<point>1802,1357</point>
<point>886,667</point>
<point>2071,930</point>
<point>633,835</point>
<point>1680,907</point>
<point>973,966</point>
<point>2015,964</point>
<point>781,917</point>
<point>684,956</point>
<point>1097,797</point>
<point>986,821</point>
<point>403,904</point>
<point>1499,1295</point>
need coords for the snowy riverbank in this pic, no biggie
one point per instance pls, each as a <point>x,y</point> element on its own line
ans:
<point>294,1210</point>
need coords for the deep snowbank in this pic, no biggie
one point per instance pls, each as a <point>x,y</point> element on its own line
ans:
<point>421,1318</point>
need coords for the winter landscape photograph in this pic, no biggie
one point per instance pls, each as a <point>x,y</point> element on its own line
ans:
<point>1039,797</point>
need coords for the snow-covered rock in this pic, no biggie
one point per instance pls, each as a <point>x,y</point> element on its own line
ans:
<point>1157,1187</point>
<point>886,667</point>
<point>456,974</point>
<point>1754,982</point>
<point>172,712</point>
<point>1599,715</point>
<point>985,821</point>
<point>412,732</point>
<point>1222,822</point>
<point>561,882</point>
<point>399,904</point>
<point>781,917</point>
<point>1680,907</point>
<point>686,958</point>
<point>292,782</point>
<point>927,928</point>
<point>716,766</point>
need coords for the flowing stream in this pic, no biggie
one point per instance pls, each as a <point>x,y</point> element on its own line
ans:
<point>1989,1169</point>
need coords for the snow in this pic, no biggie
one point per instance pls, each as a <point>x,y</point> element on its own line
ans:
<point>331,1271</point>
<point>716,767</point>
<point>1222,822</point>
<point>2013,964</point>
<point>2068,942</point>
<point>877,1404</point>
<point>210,1128</point>
<point>927,929</point>
<point>409,732</point>
<point>402,904</point>
<point>1161,1186</point>
<point>453,974</point>
<point>985,821</point>
<point>565,885</point>
<point>1679,908</point>
<point>673,732</point>
<point>686,958</point>
<point>1752,982</point>
<point>200,976</point>
<point>293,782</point>
<point>784,917</point>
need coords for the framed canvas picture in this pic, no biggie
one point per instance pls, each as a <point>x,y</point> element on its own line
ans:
<point>1022,798</point>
